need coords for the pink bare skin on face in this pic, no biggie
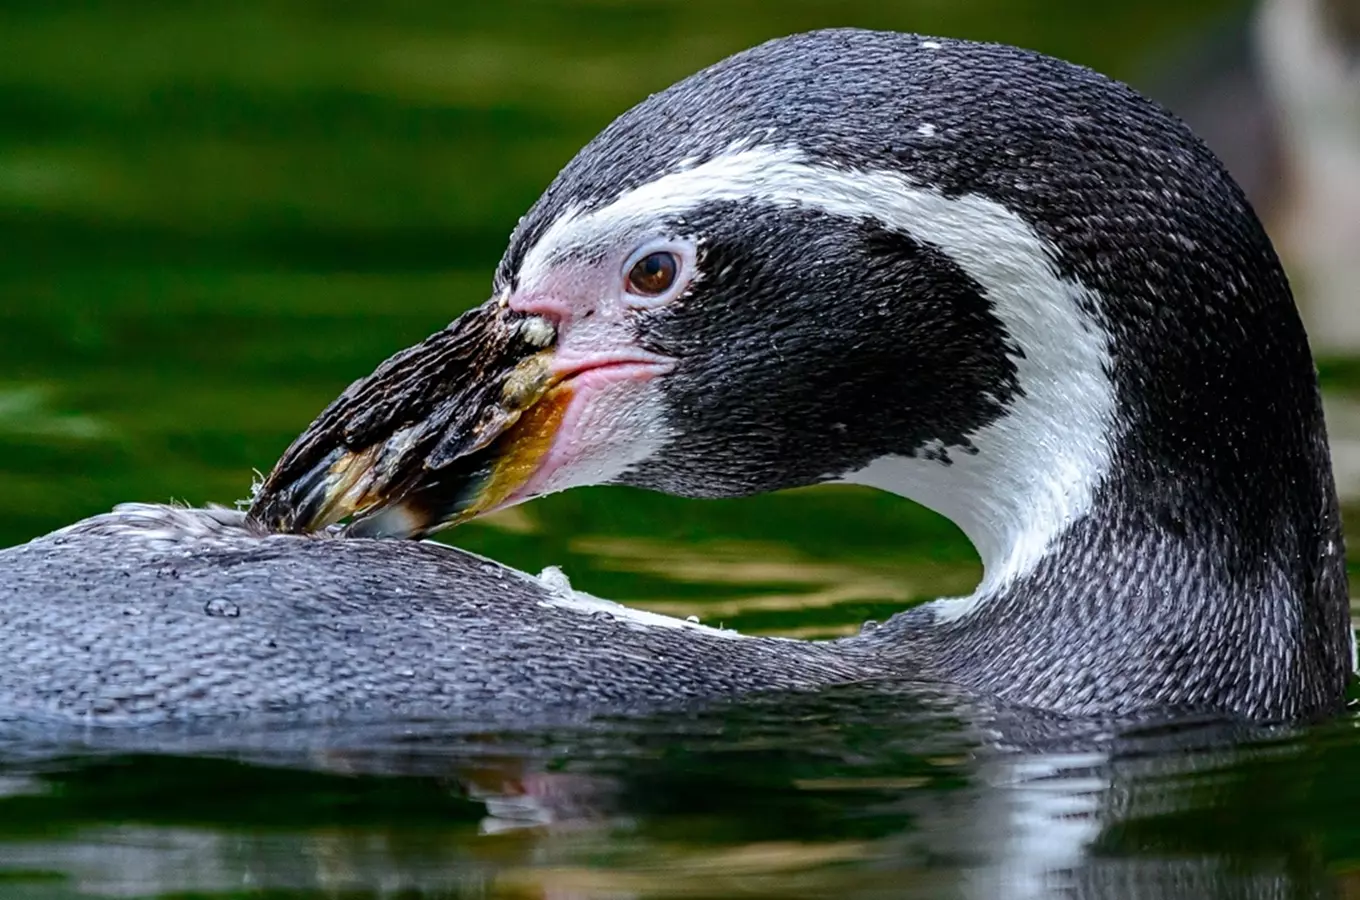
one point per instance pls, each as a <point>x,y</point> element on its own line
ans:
<point>613,419</point>
<point>598,423</point>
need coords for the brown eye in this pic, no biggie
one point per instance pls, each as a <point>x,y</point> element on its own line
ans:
<point>653,274</point>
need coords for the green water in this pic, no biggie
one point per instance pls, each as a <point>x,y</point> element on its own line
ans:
<point>214,216</point>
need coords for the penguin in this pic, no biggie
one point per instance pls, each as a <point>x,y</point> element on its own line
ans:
<point>998,284</point>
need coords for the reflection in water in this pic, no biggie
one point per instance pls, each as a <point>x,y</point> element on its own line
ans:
<point>774,578</point>
<point>893,792</point>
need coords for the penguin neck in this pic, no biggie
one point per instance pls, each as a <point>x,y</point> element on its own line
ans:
<point>1201,579</point>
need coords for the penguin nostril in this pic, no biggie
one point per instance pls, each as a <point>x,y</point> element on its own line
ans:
<point>538,332</point>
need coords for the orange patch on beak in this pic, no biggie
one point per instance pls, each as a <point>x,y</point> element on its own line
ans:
<point>521,449</point>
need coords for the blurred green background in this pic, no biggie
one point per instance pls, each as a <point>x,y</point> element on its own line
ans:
<point>215,215</point>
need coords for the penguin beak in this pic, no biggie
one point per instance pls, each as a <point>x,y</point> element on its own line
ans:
<point>441,432</point>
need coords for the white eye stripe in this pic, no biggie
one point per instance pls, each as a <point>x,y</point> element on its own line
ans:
<point>1038,467</point>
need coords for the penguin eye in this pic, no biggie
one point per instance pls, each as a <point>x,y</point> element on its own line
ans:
<point>653,274</point>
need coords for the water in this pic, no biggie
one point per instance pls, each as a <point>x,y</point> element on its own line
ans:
<point>216,216</point>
